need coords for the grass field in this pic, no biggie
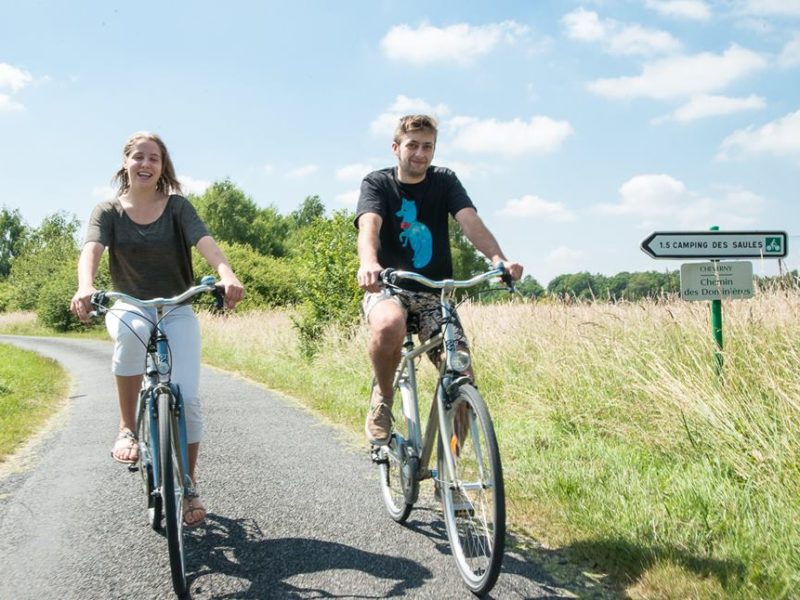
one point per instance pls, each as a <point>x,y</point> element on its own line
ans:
<point>621,444</point>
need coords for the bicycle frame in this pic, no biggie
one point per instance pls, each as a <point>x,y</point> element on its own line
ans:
<point>448,381</point>
<point>156,382</point>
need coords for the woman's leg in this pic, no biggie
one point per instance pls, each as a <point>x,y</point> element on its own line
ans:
<point>183,331</point>
<point>130,328</point>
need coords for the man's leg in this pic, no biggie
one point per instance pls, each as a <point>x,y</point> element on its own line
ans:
<point>387,324</point>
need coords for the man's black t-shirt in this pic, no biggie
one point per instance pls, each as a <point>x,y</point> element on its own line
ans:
<point>413,234</point>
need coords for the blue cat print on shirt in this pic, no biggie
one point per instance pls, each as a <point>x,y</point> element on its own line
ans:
<point>415,234</point>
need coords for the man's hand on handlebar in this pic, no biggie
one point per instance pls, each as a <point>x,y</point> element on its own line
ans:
<point>369,277</point>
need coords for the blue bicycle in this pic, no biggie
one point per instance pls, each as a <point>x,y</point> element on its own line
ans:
<point>161,426</point>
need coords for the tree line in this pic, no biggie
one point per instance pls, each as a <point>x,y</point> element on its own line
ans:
<point>306,259</point>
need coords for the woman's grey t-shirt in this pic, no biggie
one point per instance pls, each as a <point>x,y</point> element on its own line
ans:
<point>153,260</point>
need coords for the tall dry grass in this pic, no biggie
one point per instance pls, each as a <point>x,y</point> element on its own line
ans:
<point>620,442</point>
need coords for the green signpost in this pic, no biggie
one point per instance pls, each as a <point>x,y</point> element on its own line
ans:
<point>718,280</point>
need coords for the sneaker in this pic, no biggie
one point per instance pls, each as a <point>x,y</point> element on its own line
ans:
<point>379,420</point>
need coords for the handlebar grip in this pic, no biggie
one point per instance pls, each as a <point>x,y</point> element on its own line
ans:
<point>387,275</point>
<point>99,298</point>
<point>219,297</point>
<point>505,276</point>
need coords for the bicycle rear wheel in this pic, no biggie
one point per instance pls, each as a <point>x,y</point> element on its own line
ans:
<point>172,491</point>
<point>154,504</point>
<point>474,501</point>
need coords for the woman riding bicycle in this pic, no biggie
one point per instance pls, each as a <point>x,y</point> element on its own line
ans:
<point>402,218</point>
<point>149,230</point>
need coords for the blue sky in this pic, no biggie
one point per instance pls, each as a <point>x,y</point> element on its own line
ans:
<point>578,128</point>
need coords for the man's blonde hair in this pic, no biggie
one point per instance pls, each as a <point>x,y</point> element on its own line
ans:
<point>411,123</point>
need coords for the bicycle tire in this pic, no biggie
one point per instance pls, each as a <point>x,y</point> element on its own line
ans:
<point>154,504</point>
<point>393,484</point>
<point>171,493</point>
<point>476,518</point>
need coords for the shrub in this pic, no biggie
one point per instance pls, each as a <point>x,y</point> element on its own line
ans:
<point>268,281</point>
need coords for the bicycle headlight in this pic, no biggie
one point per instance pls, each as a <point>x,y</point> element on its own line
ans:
<point>459,361</point>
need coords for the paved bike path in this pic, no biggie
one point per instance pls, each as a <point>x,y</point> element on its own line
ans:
<point>294,508</point>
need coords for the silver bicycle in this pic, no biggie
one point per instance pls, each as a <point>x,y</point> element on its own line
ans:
<point>161,426</point>
<point>468,475</point>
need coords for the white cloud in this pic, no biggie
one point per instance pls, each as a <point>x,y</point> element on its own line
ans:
<point>661,201</point>
<point>786,8</point>
<point>534,207</point>
<point>385,123</point>
<point>618,38</point>
<point>104,192</point>
<point>681,76</point>
<point>348,199</point>
<point>7,104</point>
<point>696,10</point>
<point>460,43</point>
<point>790,55</point>
<point>353,172</point>
<point>303,171</point>
<point>465,170</point>
<point>268,169</point>
<point>508,138</point>
<point>700,107</point>
<point>780,138</point>
<point>564,255</point>
<point>191,185</point>
<point>13,78</point>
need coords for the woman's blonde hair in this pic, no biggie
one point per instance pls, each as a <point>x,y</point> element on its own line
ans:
<point>167,183</point>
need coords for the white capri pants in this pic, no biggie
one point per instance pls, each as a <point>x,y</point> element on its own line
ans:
<point>183,332</point>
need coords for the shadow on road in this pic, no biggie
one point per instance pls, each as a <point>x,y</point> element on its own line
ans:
<point>239,550</point>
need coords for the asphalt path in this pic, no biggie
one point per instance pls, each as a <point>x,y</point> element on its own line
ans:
<point>294,507</point>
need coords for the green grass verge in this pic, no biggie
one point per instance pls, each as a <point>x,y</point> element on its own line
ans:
<point>31,387</point>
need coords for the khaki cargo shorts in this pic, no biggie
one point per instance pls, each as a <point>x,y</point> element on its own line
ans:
<point>423,315</point>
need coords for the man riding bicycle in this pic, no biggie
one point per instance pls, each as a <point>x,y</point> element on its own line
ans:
<point>402,218</point>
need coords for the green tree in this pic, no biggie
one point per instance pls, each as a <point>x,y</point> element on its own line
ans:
<point>327,261</point>
<point>529,287</point>
<point>12,236</point>
<point>233,217</point>
<point>45,251</point>
<point>309,211</point>
<point>578,285</point>
<point>467,261</point>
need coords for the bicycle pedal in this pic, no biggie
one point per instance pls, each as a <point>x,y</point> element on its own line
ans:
<point>133,468</point>
<point>377,457</point>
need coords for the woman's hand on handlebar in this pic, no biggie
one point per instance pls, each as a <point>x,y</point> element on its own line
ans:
<point>80,305</point>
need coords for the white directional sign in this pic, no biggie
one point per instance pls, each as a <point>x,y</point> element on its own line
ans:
<point>716,244</point>
<point>717,280</point>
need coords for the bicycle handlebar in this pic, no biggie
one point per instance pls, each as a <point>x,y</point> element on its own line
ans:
<point>207,284</point>
<point>391,276</point>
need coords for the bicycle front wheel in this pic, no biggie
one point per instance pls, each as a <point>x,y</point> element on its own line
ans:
<point>398,467</point>
<point>172,491</point>
<point>474,499</point>
<point>154,507</point>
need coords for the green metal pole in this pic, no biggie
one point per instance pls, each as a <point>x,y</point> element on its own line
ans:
<point>716,324</point>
